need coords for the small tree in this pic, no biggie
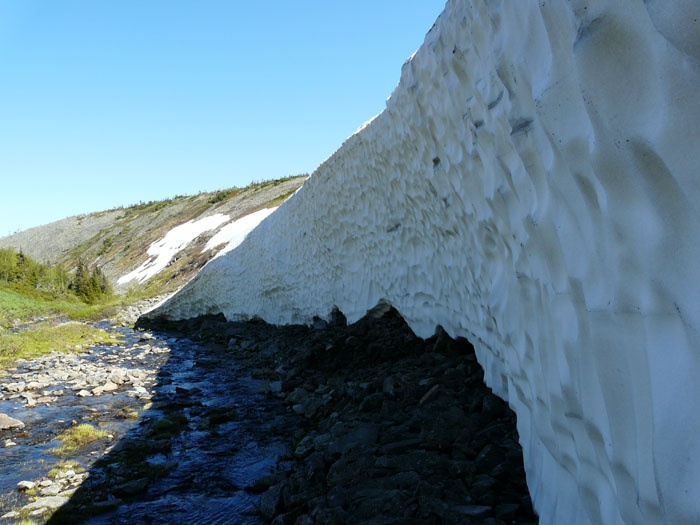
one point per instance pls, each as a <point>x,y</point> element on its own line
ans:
<point>79,285</point>
<point>99,282</point>
<point>90,286</point>
<point>8,265</point>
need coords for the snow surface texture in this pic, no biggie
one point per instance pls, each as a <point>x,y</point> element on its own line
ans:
<point>533,186</point>
<point>163,251</point>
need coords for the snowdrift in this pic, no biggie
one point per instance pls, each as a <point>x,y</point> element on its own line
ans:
<point>533,186</point>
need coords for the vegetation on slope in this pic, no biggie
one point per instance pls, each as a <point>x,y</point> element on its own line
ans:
<point>28,275</point>
<point>123,245</point>
<point>43,293</point>
<point>30,287</point>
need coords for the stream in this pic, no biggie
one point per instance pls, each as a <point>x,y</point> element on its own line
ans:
<point>186,435</point>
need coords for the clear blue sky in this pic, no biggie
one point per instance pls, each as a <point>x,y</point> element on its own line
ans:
<point>108,103</point>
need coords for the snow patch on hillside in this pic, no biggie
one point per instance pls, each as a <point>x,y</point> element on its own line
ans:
<point>163,251</point>
<point>234,233</point>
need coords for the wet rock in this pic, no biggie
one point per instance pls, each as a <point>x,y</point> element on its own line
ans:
<point>270,501</point>
<point>25,485</point>
<point>349,438</point>
<point>429,395</point>
<point>506,512</point>
<point>130,488</point>
<point>49,502</point>
<point>7,422</point>
<point>390,428</point>
<point>107,387</point>
<point>473,511</point>
<point>15,387</point>
<point>305,446</point>
<point>106,505</point>
<point>398,430</point>
<point>489,458</point>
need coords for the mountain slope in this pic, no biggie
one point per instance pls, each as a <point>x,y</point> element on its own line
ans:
<point>118,240</point>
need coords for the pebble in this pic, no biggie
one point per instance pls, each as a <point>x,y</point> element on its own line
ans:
<point>51,490</point>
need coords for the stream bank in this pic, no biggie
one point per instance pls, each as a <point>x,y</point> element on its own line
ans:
<point>186,432</point>
<point>247,423</point>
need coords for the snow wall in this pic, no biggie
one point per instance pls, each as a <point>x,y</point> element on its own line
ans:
<point>532,186</point>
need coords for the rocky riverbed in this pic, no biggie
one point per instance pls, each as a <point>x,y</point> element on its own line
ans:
<point>393,429</point>
<point>185,432</point>
<point>216,422</point>
<point>106,387</point>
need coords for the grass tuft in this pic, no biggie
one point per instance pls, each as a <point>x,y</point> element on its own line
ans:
<point>76,438</point>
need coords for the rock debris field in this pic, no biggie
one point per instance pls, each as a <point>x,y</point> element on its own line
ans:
<point>208,421</point>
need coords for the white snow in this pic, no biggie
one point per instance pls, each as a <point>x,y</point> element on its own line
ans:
<point>533,186</point>
<point>233,234</point>
<point>162,252</point>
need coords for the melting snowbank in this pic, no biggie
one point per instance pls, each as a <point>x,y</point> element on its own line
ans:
<point>533,186</point>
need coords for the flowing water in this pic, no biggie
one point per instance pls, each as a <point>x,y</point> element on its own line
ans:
<point>197,421</point>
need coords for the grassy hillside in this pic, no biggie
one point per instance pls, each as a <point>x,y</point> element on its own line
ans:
<point>16,306</point>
